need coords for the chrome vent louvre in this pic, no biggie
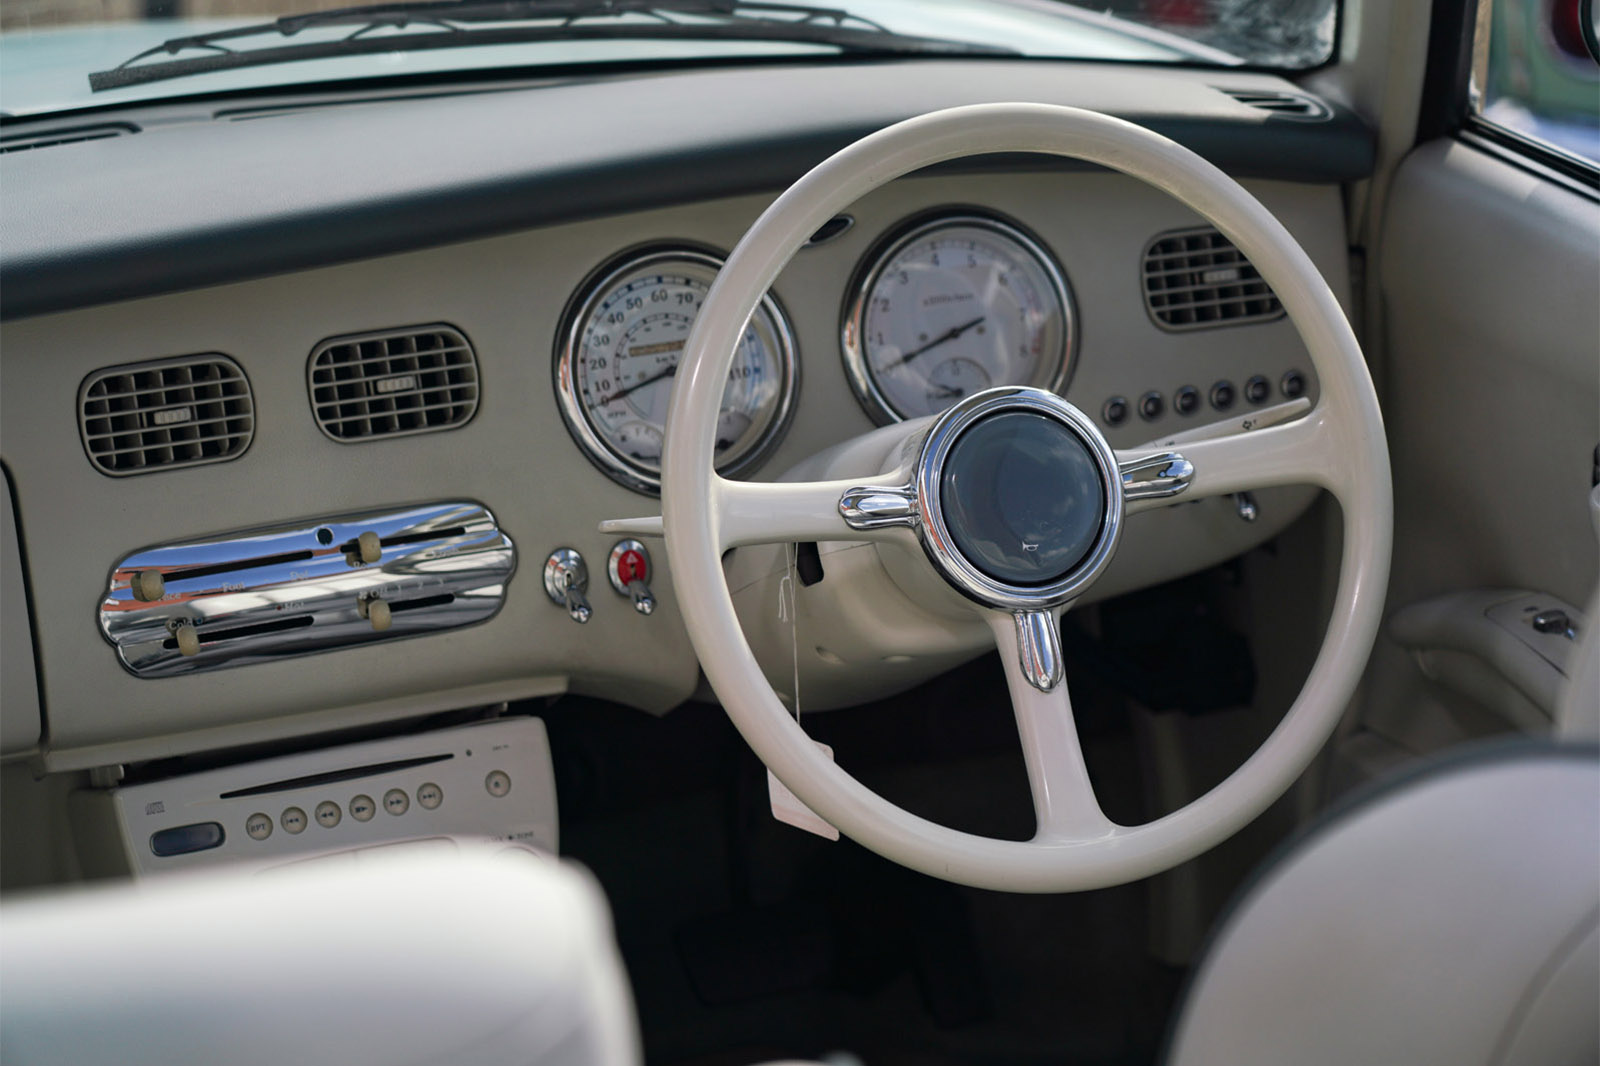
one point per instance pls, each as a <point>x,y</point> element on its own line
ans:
<point>1282,104</point>
<point>393,383</point>
<point>169,413</point>
<point>28,141</point>
<point>1197,279</point>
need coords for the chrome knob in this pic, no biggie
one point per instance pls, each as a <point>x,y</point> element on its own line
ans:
<point>566,578</point>
<point>629,571</point>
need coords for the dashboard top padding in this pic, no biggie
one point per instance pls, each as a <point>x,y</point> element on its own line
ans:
<point>202,197</point>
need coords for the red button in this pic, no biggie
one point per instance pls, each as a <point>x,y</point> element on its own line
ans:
<point>632,567</point>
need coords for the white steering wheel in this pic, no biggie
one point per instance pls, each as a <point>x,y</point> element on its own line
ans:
<point>1339,445</point>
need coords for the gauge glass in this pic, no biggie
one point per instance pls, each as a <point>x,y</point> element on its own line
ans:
<point>616,371</point>
<point>952,307</point>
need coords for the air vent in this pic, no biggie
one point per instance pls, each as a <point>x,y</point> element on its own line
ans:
<point>412,380</point>
<point>165,414</point>
<point>29,141</point>
<point>1197,279</point>
<point>1282,104</point>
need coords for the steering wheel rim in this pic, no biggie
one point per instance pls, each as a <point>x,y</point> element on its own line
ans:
<point>1339,446</point>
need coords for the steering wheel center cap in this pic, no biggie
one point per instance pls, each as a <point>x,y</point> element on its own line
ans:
<point>1020,498</point>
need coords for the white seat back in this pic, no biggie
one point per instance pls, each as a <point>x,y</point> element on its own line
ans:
<point>485,960</point>
<point>1452,920</point>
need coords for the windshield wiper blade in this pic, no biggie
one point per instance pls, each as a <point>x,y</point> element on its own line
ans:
<point>459,23</point>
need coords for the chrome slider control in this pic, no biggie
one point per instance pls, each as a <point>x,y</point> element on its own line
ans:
<point>629,570</point>
<point>566,578</point>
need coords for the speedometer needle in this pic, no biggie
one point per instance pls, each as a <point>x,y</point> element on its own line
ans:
<point>948,335</point>
<point>651,380</point>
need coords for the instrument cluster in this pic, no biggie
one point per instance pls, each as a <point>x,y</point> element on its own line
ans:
<point>942,306</point>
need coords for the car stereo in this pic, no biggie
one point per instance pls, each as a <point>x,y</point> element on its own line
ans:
<point>487,781</point>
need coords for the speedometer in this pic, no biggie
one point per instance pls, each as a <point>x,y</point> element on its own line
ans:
<point>619,356</point>
<point>952,306</point>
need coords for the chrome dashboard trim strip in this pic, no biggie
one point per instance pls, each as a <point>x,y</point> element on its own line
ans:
<point>306,587</point>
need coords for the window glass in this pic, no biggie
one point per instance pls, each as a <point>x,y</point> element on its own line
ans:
<point>1533,73</point>
<point>57,54</point>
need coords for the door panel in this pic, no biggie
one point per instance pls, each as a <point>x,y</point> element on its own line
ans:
<point>1490,310</point>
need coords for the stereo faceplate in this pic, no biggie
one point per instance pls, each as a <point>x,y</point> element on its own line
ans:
<point>308,587</point>
<point>489,781</point>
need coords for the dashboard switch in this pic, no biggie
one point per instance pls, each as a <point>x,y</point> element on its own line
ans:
<point>1115,412</point>
<point>1186,401</point>
<point>1258,390</point>
<point>629,571</point>
<point>566,579</point>
<point>1293,385</point>
<point>1222,395</point>
<point>1150,406</point>
<point>1554,621</point>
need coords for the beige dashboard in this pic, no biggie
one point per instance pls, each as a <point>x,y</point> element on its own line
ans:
<point>508,294</point>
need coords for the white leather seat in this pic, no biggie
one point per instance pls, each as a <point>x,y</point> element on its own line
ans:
<point>1452,919</point>
<point>491,960</point>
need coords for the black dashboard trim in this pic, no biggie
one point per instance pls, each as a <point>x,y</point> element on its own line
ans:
<point>190,204</point>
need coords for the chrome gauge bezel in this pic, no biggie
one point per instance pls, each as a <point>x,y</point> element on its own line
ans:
<point>575,413</point>
<point>857,367</point>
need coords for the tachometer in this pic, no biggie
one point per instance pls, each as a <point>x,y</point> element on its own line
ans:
<point>619,355</point>
<point>952,306</point>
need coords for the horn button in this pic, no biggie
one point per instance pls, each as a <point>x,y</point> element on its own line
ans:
<point>1022,498</point>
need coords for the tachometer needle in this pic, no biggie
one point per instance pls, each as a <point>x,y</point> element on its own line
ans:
<point>651,380</point>
<point>947,335</point>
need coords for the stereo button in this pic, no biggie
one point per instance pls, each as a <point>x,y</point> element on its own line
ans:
<point>293,820</point>
<point>362,808</point>
<point>328,814</point>
<point>395,801</point>
<point>498,783</point>
<point>258,826</point>
<point>430,795</point>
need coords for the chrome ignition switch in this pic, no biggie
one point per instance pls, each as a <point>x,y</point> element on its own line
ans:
<point>566,578</point>
<point>629,571</point>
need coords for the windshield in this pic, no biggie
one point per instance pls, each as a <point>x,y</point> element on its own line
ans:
<point>64,54</point>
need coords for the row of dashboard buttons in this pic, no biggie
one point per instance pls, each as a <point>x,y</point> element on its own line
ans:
<point>396,801</point>
<point>1186,400</point>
